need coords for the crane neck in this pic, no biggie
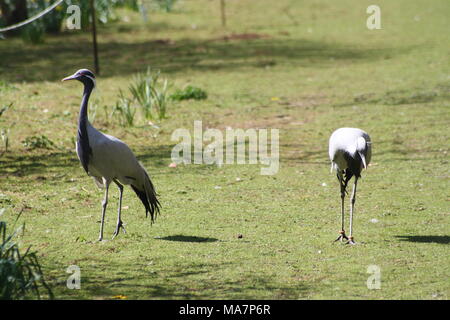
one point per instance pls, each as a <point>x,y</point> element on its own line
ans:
<point>83,147</point>
<point>88,87</point>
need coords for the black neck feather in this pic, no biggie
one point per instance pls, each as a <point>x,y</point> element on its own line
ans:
<point>84,148</point>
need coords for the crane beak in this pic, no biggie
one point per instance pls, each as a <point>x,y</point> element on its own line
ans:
<point>72,77</point>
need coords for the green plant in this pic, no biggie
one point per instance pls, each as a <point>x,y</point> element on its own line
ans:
<point>124,111</point>
<point>106,113</point>
<point>33,33</point>
<point>161,99</point>
<point>5,108</point>
<point>93,110</point>
<point>52,22</point>
<point>104,9</point>
<point>151,94</point>
<point>166,5</point>
<point>190,92</point>
<point>6,86</point>
<point>38,142</point>
<point>20,273</point>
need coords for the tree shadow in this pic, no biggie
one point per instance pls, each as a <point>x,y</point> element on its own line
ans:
<point>22,164</point>
<point>181,281</point>
<point>388,150</point>
<point>159,155</point>
<point>441,92</point>
<point>54,164</point>
<point>183,238</point>
<point>61,56</point>
<point>425,239</point>
<point>304,155</point>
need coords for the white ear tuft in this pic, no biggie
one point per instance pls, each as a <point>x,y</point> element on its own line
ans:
<point>361,144</point>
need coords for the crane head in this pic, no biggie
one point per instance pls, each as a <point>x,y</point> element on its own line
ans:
<point>83,75</point>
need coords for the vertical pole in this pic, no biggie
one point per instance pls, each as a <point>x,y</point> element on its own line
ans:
<point>94,38</point>
<point>222,13</point>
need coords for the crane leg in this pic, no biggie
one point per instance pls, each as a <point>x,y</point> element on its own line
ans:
<point>119,220</point>
<point>352,207</point>
<point>104,204</point>
<point>342,235</point>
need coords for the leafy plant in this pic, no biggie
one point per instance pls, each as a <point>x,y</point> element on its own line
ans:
<point>166,5</point>
<point>161,99</point>
<point>35,31</point>
<point>52,21</point>
<point>20,273</point>
<point>38,142</point>
<point>106,113</point>
<point>93,110</point>
<point>190,92</point>
<point>124,110</point>
<point>6,86</point>
<point>5,108</point>
<point>151,94</point>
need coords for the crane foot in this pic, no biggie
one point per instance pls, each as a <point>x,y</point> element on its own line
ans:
<point>118,227</point>
<point>350,240</point>
<point>342,236</point>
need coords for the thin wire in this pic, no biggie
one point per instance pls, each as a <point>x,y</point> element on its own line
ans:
<point>25,22</point>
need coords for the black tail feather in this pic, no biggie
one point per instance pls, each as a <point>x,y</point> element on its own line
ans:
<point>354,164</point>
<point>148,198</point>
<point>348,175</point>
<point>345,175</point>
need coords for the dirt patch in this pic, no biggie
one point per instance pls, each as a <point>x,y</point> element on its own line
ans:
<point>289,114</point>
<point>305,102</point>
<point>243,36</point>
<point>163,41</point>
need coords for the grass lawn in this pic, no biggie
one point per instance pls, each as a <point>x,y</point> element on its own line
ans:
<point>303,67</point>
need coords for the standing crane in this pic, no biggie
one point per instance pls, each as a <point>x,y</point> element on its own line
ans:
<point>350,151</point>
<point>108,159</point>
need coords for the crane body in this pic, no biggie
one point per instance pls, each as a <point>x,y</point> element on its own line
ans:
<point>108,159</point>
<point>350,151</point>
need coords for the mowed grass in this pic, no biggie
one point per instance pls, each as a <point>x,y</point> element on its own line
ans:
<point>303,68</point>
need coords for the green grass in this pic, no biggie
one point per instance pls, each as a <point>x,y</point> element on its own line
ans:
<point>304,68</point>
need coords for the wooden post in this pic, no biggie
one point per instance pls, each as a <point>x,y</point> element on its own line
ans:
<point>94,38</point>
<point>222,13</point>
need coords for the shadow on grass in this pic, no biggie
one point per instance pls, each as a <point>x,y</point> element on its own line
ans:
<point>180,281</point>
<point>183,238</point>
<point>24,163</point>
<point>441,92</point>
<point>426,239</point>
<point>62,55</point>
<point>303,155</point>
<point>27,163</point>
<point>52,164</point>
<point>385,150</point>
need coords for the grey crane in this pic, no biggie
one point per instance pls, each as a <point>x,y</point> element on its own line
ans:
<point>108,159</point>
<point>350,151</point>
